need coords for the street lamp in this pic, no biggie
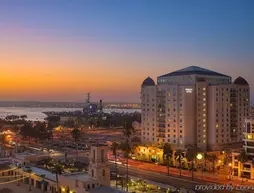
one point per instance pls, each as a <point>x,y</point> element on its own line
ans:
<point>199,157</point>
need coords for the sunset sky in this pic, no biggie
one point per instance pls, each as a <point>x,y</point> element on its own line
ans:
<point>58,50</point>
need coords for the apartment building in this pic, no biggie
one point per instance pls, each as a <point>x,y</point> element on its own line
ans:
<point>194,107</point>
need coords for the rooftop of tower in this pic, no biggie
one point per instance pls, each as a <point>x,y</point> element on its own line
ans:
<point>193,70</point>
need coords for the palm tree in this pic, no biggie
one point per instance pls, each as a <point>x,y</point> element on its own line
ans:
<point>179,155</point>
<point>43,182</point>
<point>213,158</point>
<point>167,153</point>
<point>243,158</point>
<point>58,170</point>
<point>19,167</point>
<point>76,135</point>
<point>128,131</point>
<point>206,157</point>
<point>126,148</point>
<point>114,148</point>
<point>191,155</point>
<point>29,170</point>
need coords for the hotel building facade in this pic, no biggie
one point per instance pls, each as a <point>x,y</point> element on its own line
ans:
<point>194,107</point>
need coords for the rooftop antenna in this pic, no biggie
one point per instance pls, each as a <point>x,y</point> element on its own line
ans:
<point>101,105</point>
<point>88,98</point>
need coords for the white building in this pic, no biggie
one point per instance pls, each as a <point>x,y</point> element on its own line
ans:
<point>194,107</point>
<point>95,181</point>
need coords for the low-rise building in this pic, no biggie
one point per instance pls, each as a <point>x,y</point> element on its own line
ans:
<point>96,180</point>
<point>245,169</point>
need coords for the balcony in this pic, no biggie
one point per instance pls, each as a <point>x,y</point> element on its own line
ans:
<point>233,100</point>
<point>161,130</point>
<point>233,125</point>
<point>233,95</point>
<point>161,135</point>
<point>233,134</point>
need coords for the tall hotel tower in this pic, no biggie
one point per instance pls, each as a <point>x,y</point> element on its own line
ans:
<point>194,107</point>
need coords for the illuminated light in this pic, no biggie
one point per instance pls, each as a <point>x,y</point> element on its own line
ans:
<point>204,120</point>
<point>217,125</point>
<point>188,90</point>
<point>229,164</point>
<point>204,88</point>
<point>204,141</point>
<point>199,156</point>
<point>219,161</point>
<point>63,189</point>
<point>181,142</point>
<point>249,136</point>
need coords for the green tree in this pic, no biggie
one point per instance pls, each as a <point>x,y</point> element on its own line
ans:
<point>206,157</point>
<point>114,148</point>
<point>128,131</point>
<point>167,154</point>
<point>213,158</point>
<point>57,170</point>
<point>29,171</point>
<point>76,133</point>
<point>243,158</point>
<point>191,155</point>
<point>43,181</point>
<point>19,167</point>
<point>179,155</point>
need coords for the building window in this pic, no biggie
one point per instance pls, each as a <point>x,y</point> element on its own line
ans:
<point>93,155</point>
<point>248,127</point>
<point>103,172</point>
<point>102,156</point>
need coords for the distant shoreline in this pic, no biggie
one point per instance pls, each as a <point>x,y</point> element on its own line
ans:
<point>35,104</point>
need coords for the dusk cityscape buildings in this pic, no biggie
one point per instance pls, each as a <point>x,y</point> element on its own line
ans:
<point>78,113</point>
<point>194,107</point>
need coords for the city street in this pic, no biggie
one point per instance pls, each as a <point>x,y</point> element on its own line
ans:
<point>174,174</point>
<point>172,180</point>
